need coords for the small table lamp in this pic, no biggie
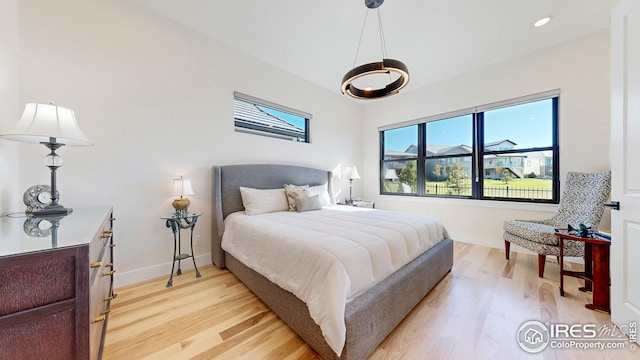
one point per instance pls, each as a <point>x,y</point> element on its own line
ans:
<point>391,175</point>
<point>181,187</point>
<point>353,174</point>
<point>52,126</point>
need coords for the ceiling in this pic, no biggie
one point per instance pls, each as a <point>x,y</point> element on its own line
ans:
<point>317,40</point>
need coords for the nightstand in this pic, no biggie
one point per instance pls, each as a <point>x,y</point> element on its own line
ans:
<point>176,223</point>
<point>361,203</point>
<point>596,274</point>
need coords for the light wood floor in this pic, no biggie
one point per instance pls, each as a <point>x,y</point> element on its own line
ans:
<point>473,313</point>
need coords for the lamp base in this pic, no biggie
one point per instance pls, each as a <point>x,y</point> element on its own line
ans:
<point>50,210</point>
<point>181,205</point>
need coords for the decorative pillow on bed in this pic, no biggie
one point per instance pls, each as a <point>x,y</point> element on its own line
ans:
<point>258,201</point>
<point>321,190</point>
<point>308,203</point>
<point>293,192</point>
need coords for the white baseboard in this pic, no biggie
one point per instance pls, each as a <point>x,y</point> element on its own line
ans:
<point>156,271</point>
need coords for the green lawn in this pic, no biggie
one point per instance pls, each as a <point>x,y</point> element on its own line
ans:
<point>515,188</point>
<point>525,183</point>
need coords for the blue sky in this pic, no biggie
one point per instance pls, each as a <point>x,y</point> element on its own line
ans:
<point>292,119</point>
<point>528,125</point>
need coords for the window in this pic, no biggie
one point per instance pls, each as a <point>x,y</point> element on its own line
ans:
<point>501,151</point>
<point>448,156</point>
<point>400,155</point>
<point>260,117</point>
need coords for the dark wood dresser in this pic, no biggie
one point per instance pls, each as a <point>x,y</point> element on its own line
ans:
<point>56,284</point>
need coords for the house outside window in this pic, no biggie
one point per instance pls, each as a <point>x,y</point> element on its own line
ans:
<point>260,117</point>
<point>448,167</point>
<point>513,144</point>
<point>400,160</point>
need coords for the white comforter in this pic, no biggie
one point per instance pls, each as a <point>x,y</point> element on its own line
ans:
<point>328,257</point>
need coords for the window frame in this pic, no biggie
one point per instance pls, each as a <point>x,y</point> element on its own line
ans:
<point>478,150</point>
<point>246,126</point>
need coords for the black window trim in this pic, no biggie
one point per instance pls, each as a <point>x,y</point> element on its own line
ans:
<point>478,152</point>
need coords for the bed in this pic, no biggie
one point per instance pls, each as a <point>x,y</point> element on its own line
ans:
<point>370,316</point>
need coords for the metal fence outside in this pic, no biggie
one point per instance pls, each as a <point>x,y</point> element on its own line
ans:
<point>491,191</point>
<point>521,193</point>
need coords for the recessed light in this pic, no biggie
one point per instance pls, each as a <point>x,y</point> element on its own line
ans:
<point>542,21</point>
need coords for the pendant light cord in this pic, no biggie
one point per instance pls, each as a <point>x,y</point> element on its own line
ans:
<point>366,13</point>
<point>383,44</point>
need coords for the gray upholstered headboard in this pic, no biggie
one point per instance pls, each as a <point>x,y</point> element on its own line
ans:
<point>226,191</point>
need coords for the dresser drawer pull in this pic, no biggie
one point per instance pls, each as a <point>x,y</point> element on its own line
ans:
<point>113,219</point>
<point>104,312</point>
<point>108,231</point>
<point>97,319</point>
<point>109,298</point>
<point>106,236</point>
<point>95,265</point>
<point>113,245</point>
<point>109,265</point>
<point>109,273</point>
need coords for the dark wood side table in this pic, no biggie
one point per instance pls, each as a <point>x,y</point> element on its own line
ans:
<point>596,269</point>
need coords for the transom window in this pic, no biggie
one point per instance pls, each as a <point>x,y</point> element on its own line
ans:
<point>260,117</point>
<point>501,151</point>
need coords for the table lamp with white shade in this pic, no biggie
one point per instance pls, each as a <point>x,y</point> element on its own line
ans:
<point>390,176</point>
<point>52,126</point>
<point>181,187</point>
<point>352,174</point>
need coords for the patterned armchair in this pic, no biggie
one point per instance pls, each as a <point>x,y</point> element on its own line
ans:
<point>582,201</point>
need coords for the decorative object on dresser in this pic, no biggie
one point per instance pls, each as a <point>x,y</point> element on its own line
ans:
<point>37,198</point>
<point>52,126</point>
<point>363,82</point>
<point>353,174</point>
<point>181,187</point>
<point>56,298</point>
<point>176,222</point>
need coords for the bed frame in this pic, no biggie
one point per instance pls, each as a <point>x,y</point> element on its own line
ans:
<point>371,316</point>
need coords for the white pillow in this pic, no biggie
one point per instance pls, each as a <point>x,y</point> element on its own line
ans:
<point>258,201</point>
<point>308,203</point>
<point>321,190</point>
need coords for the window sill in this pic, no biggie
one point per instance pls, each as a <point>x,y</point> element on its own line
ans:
<point>492,204</point>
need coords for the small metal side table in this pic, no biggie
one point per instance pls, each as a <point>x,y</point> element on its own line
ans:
<point>176,223</point>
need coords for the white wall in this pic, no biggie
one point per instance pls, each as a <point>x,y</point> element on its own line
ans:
<point>9,104</point>
<point>579,68</point>
<point>157,100</point>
